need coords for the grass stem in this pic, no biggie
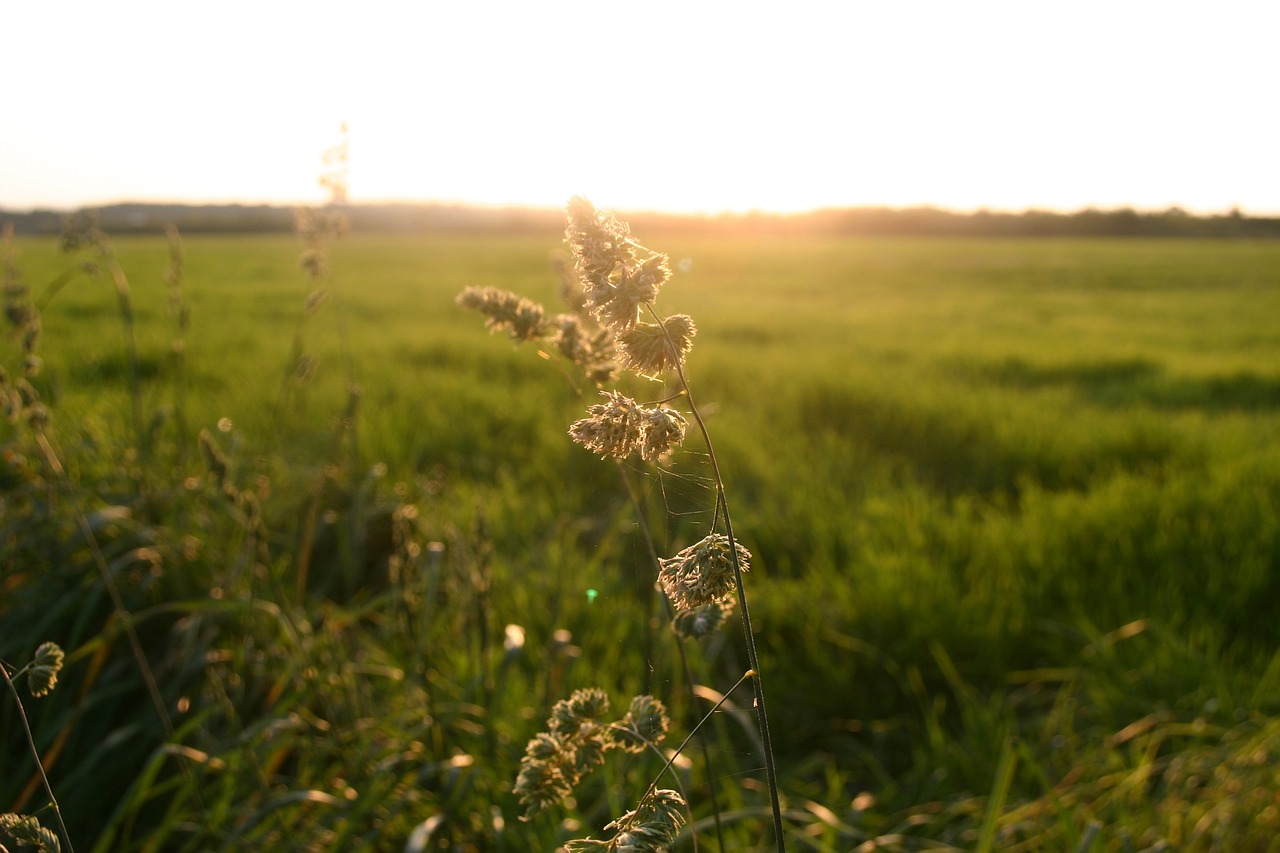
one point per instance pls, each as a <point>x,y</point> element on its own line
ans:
<point>35,754</point>
<point>753,659</point>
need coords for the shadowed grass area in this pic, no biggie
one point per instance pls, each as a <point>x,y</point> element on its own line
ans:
<point>1013,508</point>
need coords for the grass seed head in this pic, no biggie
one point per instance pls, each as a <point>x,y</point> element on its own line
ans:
<point>646,723</point>
<point>662,431</point>
<point>591,349</point>
<point>615,280</point>
<point>28,833</point>
<point>620,425</point>
<point>703,573</point>
<point>652,825</point>
<point>611,428</point>
<point>599,243</point>
<point>523,319</point>
<point>702,621</point>
<point>587,704</point>
<point>42,677</point>
<point>540,785</point>
<point>648,349</point>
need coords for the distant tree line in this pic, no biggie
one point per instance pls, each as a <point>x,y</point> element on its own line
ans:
<point>861,221</point>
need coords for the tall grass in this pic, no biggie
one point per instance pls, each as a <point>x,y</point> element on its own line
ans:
<point>1011,507</point>
<point>611,293</point>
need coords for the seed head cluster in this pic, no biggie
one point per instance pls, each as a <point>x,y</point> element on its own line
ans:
<point>26,832</point>
<point>651,826</point>
<point>607,281</point>
<point>702,621</point>
<point>19,399</point>
<point>652,349</point>
<point>585,344</point>
<point>610,282</point>
<point>318,228</point>
<point>576,741</point>
<point>42,677</point>
<point>703,574</point>
<point>616,281</point>
<point>520,317</point>
<point>620,425</point>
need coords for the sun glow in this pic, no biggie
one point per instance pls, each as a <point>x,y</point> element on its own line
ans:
<point>692,107</point>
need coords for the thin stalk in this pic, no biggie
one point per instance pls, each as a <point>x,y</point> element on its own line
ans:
<point>181,317</point>
<point>125,302</point>
<point>676,753</point>
<point>35,753</point>
<point>753,660</point>
<point>684,660</point>
<point>716,707</point>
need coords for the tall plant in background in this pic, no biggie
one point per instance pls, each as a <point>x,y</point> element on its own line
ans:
<point>620,280</point>
<point>43,500</point>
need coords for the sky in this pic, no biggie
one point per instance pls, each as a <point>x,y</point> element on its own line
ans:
<point>691,106</point>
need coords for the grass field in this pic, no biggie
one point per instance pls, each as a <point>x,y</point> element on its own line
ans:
<point>1014,506</point>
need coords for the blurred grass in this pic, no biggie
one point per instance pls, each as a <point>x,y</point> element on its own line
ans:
<point>1015,507</point>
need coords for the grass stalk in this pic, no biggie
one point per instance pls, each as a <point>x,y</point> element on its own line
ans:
<point>647,534</point>
<point>999,794</point>
<point>35,755</point>
<point>122,615</point>
<point>125,301</point>
<point>697,728</point>
<point>181,315</point>
<point>753,658</point>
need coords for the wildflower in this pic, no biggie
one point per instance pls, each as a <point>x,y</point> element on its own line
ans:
<point>43,674</point>
<point>652,349</point>
<point>522,318</point>
<point>702,573</point>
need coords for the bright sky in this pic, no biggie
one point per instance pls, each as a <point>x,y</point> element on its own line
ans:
<point>689,105</point>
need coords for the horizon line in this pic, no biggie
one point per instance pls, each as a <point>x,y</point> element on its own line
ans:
<point>1234,209</point>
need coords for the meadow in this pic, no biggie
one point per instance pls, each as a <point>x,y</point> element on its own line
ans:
<point>1014,507</point>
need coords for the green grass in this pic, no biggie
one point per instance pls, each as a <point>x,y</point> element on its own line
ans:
<point>1014,506</point>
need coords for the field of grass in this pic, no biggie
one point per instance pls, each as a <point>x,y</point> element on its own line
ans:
<point>1014,506</point>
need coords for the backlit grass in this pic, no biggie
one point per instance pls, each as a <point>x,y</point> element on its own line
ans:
<point>1013,507</point>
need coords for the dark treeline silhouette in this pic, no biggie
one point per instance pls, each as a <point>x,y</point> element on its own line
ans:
<point>139,218</point>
